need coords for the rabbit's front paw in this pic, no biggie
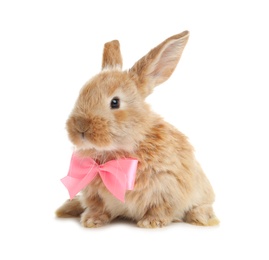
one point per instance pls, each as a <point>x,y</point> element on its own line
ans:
<point>151,222</point>
<point>94,221</point>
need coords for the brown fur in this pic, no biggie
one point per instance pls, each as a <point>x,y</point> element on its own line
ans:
<point>71,208</point>
<point>111,55</point>
<point>170,184</point>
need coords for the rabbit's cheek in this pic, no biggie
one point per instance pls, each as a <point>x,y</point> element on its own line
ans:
<point>121,116</point>
<point>99,134</point>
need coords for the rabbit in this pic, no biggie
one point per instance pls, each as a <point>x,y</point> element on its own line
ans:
<point>111,120</point>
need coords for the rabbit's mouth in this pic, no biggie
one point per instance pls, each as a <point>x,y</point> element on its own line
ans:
<point>87,145</point>
<point>88,141</point>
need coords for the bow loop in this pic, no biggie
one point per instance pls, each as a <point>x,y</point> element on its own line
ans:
<point>117,175</point>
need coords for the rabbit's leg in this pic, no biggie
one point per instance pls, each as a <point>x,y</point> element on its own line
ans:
<point>95,214</point>
<point>71,208</point>
<point>158,216</point>
<point>202,215</point>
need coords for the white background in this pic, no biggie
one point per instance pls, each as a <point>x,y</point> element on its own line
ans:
<point>217,96</point>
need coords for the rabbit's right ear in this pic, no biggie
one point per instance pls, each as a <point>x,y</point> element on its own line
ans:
<point>158,65</point>
<point>112,56</point>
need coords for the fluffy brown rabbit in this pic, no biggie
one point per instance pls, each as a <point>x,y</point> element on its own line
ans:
<point>111,120</point>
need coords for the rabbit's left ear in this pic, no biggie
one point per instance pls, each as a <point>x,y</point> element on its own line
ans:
<point>112,56</point>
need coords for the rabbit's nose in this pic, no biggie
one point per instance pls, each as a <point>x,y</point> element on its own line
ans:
<point>82,125</point>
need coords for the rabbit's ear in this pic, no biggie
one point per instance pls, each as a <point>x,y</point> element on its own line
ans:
<point>112,56</point>
<point>158,65</point>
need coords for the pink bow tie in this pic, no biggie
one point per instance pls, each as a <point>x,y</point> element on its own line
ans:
<point>117,175</point>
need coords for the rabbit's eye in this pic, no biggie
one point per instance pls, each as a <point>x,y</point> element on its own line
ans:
<point>115,103</point>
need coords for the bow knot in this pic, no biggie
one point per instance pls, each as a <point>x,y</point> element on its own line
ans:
<point>117,175</point>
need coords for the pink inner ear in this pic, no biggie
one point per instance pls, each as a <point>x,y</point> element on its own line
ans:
<point>166,61</point>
